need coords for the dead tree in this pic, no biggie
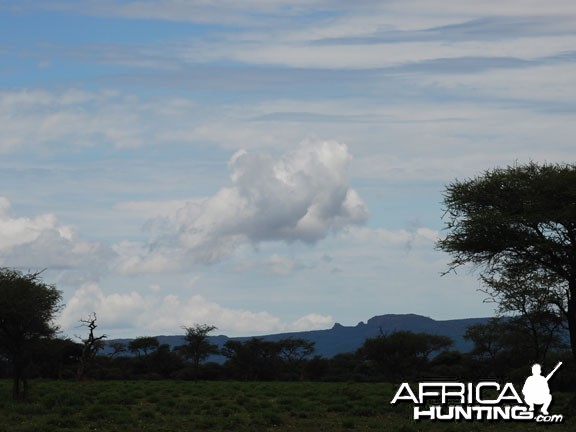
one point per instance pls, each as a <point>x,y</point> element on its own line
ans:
<point>90,348</point>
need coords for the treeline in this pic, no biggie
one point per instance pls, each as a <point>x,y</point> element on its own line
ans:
<point>502,349</point>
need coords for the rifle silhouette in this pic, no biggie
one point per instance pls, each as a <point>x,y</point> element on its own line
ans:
<point>553,371</point>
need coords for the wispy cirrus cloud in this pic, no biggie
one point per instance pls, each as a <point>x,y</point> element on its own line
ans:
<point>58,121</point>
<point>332,35</point>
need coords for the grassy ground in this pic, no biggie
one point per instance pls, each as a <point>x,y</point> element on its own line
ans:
<point>174,406</point>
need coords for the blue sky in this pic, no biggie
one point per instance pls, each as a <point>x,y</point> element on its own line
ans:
<point>265,166</point>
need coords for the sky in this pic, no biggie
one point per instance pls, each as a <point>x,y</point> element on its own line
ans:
<point>261,165</point>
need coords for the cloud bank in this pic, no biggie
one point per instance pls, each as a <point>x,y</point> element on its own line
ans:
<point>153,314</point>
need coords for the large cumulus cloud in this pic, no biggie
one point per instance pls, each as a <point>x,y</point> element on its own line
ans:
<point>302,195</point>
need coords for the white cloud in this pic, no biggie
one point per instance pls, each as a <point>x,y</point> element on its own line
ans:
<point>380,37</point>
<point>113,311</point>
<point>421,236</point>
<point>121,314</point>
<point>43,242</point>
<point>251,11</point>
<point>313,322</point>
<point>490,7</point>
<point>349,33</point>
<point>135,258</point>
<point>21,230</point>
<point>549,82</point>
<point>72,119</point>
<point>151,209</point>
<point>381,55</point>
<point>280,265</point>
<point>301,196</point>
<point>198,11</point>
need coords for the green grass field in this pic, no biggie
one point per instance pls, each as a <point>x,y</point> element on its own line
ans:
<point>174,406</point>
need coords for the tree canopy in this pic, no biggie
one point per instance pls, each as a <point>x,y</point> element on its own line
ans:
<point>518,226</point>
<point>402,354</point>
<point>27,309</point>
<point>198,347</point>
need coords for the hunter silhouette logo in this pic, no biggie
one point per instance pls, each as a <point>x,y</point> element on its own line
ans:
<point>484,400</point>
<point>536,390</point>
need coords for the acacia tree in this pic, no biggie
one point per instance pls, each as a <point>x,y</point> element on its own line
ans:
<point>517,225</point>
<point>254,359</point>
<point>294,352</point>
<point>538,299</point>
<point>27,309</point>
<point>488,340</point>
<point>402,354</point>
<point>505,343</point>
<point>198,346</point>
<point>144,344</point>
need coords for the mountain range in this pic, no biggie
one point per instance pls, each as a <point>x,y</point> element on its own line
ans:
<point>341,339</point>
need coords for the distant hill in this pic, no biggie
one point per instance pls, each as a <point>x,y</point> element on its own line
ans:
<point>341,339</point>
